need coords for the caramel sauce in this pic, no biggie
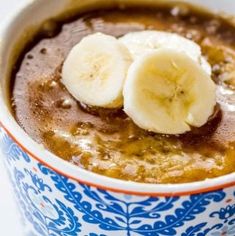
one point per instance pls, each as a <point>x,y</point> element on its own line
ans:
<point>107,141</point>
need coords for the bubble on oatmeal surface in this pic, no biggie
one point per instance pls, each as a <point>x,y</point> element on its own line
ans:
<point>64,103</point>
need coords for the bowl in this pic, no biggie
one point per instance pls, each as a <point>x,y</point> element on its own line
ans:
<point>57,198</point>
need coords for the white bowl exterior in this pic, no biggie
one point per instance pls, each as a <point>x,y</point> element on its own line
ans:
<point>50,201</point>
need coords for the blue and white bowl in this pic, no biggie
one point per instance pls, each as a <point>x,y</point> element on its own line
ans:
<point>57,198</point>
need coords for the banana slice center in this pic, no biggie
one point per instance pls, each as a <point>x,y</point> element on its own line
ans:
<point>166,92</point>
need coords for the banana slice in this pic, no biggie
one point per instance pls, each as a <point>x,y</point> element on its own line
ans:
<point>143,42</point>
<point>95,70</point>
<point>167,92</point>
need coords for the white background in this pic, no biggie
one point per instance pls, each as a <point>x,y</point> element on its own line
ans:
<point>9,218</point>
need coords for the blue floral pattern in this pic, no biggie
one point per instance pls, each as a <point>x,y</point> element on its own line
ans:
<point>57,206</point>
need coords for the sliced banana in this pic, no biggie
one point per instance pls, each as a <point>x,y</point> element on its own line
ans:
<point>167,92</point>
<point>95,70</point>
<point>143,42</point>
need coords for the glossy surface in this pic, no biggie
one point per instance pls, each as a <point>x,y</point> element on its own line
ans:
<point>107,142</point>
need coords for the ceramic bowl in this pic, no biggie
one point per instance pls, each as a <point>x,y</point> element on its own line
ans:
<point>59,199</point>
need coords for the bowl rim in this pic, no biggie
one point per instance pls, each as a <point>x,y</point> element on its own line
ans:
<point>69,170</point>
